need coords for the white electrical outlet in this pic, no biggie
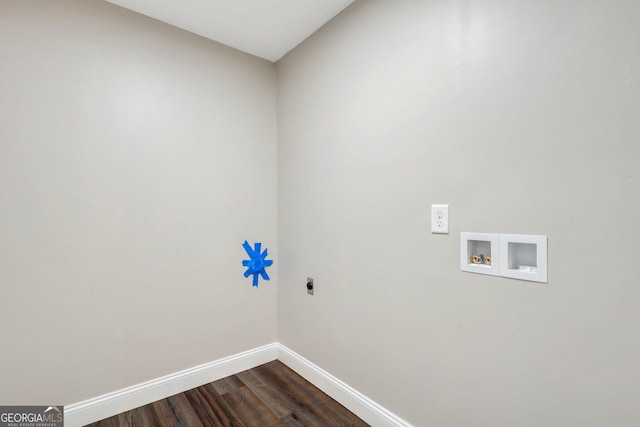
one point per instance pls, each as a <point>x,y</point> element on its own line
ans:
<point>440,219</point>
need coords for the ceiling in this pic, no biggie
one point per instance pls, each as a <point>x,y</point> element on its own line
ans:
<point>265,28</point>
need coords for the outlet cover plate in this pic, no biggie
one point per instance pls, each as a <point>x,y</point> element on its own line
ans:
<point>440,219</point>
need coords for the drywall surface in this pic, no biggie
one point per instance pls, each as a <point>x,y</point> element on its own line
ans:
<point>523,116</point>
<point>135,159</point>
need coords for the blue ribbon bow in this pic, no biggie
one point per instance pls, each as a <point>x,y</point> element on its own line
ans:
<point>256,265</point>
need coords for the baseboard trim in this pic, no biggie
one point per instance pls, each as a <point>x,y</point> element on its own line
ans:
<point>107,405</point>
<point>110,404</point>
<point>347,396</point>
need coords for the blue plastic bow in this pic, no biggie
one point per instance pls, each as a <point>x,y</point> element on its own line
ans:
<point>256,265</point>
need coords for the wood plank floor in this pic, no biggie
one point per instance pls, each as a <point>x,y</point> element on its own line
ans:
<point>269,395</point>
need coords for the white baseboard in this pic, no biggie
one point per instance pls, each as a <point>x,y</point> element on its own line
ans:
<point>110,404</point>
<point>347,396</point>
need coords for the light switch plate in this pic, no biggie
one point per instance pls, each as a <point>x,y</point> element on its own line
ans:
<point>440,219</point>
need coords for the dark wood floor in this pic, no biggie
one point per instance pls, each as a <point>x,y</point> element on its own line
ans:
<point>269,395</point>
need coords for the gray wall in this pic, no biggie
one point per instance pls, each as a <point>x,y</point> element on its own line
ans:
<point>135,159</point>
<point>523,116</point>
